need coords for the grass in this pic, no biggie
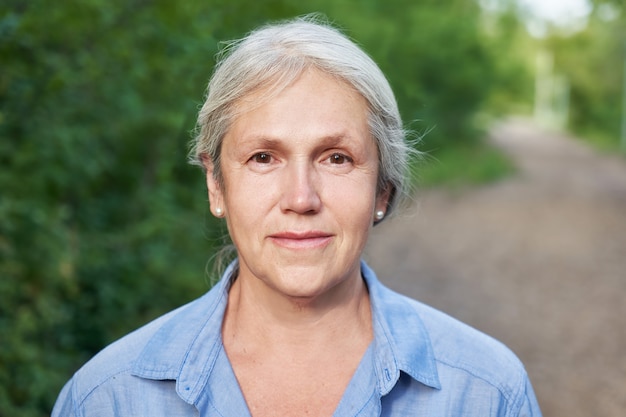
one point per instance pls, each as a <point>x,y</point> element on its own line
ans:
<point>461,166</point>
<point>602,141</point>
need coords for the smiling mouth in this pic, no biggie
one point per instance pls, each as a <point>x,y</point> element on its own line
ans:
<point>301,240</point>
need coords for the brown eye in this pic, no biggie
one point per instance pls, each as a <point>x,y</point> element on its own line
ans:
<point>338,158</point>
<point>262,158</point>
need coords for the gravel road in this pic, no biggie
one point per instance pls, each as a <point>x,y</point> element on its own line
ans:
<point>537,260</point>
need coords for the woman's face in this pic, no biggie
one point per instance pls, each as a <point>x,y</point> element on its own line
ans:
<point>299,190</point>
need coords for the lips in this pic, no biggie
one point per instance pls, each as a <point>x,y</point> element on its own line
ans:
<point>301,240</point>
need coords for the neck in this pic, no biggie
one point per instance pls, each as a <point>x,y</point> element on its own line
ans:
<point>260,319</point>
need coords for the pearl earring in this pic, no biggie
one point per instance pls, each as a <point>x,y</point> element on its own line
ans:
<point>379,215</point>
<point>218,212</point>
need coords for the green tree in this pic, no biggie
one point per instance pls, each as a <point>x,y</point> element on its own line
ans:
<point>104,225</point>
<point>436,58</point>
<point>98,205</point>
<point>593,60</point>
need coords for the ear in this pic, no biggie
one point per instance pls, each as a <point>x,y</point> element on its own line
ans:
<point>382,201</point>
<point>216,197</point>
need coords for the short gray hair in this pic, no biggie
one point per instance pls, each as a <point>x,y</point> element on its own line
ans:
<point>272,57</point>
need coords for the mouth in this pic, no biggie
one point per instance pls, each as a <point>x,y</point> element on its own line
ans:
<point>301,240</point>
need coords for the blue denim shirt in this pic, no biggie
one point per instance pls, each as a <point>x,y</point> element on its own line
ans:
<point>420,363</point>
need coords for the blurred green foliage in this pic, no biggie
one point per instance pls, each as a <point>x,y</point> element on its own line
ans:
<point>463,165</point>
<point>593,61</point>
<point>103,224</point>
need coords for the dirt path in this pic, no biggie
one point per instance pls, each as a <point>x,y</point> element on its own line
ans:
<point>537,261</point>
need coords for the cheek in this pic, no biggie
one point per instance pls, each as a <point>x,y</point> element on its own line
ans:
<point>241,187</point>
<point>247,199</point>
<point>353,200</point>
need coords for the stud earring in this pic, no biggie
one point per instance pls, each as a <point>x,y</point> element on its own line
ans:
<point>379,215</point>
<point>218,212</point>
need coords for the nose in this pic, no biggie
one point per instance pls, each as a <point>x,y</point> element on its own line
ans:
<point>300,193</point>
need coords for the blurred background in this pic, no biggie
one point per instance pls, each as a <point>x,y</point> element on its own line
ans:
<point>104,226</point>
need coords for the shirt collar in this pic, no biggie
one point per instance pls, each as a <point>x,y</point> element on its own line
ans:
<point>187,346</point>
<point>401,341</point>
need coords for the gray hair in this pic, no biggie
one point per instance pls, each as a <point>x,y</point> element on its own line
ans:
<point>272,57</point>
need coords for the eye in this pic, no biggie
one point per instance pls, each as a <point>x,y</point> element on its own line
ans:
<point>338,158</point>
<point>262,158</point>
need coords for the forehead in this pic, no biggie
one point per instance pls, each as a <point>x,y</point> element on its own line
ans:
<point>315,104</point>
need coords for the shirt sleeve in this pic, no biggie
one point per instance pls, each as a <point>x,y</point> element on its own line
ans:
<point>64,406</point>
<point>530,407</point>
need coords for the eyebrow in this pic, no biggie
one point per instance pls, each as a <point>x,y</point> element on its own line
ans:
<point>269,141</point>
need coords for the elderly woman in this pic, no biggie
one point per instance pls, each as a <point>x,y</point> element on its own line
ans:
<point>304,151</point>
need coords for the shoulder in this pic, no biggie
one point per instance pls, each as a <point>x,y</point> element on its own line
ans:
<point>458,345</point>
<point>113,367</point>
<point>150,359</point>
<point>440,350</point>
<point>468,359</point>
<point>116,359</point>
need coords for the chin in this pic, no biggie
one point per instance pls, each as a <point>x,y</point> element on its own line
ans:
<point>306,284</point>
